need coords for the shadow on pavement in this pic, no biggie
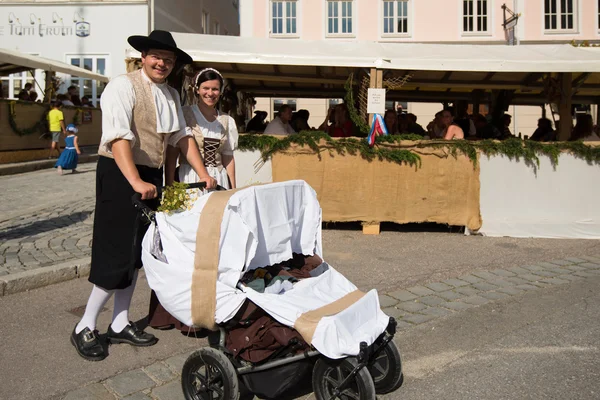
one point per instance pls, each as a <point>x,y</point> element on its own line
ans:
<point>44,226</point>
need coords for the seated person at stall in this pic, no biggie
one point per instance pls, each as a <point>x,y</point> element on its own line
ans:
<point>412,125</point>
<point>451,130</point>
<point>281,123</point>
<point>391,122</point>
<point>584,129</point>
<point>436,126</point>
<point>300,121</point>
<point>484,129</point>
<point>341,126</point>
<point>544,131</point>
<point>257,123</point>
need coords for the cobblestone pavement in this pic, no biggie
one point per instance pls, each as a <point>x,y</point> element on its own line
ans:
<point>46,237</point>
<point>411,307</point>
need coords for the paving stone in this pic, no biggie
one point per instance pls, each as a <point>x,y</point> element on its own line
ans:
<point>420,290</point>
<point>484,286</point>
<point>486,276</point>
<point>540,284</point>
<point>176,362</point>
<point>571,278</point>
<point>590,265</point>
<point>467,291</point>
<point>95,391</point>
<point>394,312</point>
<point>503,272</point>
<point>130,382</point>
<point>575,268</point>
<point>160,372</point>
<point>403,295</point>
<point>475,300</point>
<point>575,260</point>
<point>138,396</point>
<point>401,325</point>
<point>437,311</point>
<point>559,271</point>
<point>510,290</point>
<point>418,319</point>
<point>411,306</point>
<point>561,262</point>
<point>494,295</point>
<point>431,300</point>
<point>449,295</point>
<point>516,280</point>
<point>457,305</point>
<point>471,279</point>
<point>584,274</point>
<point>438,287</point>
<point>593,259</point>
<point>555,281</point>
<point>387,301</point>
<point>519,270</point>
<point>170,391</point>
<point>456,282</point>
<point>501,282</point>
<point>543,273</point>
<point>546,265</point>
<point>533,268</point>
<point>530,277</point>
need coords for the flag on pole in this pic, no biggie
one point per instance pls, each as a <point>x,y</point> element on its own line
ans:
<point>378,128</point>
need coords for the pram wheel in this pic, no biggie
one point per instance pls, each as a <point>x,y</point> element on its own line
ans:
<point>209,375</point>
<point>329,374</point>
<point>386,369</point>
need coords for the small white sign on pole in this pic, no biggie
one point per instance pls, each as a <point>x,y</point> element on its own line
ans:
<point>376,101</point>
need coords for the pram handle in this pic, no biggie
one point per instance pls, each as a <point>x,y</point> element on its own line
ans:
<point>136,199</point>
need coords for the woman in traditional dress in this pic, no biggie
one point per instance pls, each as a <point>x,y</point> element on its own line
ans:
<point>215,133</point>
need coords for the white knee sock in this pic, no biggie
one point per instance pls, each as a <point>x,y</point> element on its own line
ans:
<point>96,302</point>
<point>122,302</point>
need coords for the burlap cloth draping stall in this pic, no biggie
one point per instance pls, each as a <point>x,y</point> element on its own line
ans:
<point>444,189</point>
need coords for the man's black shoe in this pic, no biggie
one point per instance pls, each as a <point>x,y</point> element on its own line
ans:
<point>88,345</point>
<point>131,335</point>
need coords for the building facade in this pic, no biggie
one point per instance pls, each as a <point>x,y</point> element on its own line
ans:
<point>93,34</point>
<point>421,21</point>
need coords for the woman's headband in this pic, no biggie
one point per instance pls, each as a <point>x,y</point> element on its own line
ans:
<point>203,71</point>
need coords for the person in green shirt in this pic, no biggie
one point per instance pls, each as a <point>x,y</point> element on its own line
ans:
<point>56,123</point>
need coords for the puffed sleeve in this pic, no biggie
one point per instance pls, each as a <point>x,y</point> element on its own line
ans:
<point>117,103</point>
<point>231,143</point>
<point>184,130</point>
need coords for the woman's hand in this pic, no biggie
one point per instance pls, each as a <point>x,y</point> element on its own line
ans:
<point>211,183</point>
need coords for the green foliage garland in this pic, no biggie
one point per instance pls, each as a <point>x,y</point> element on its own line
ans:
<point>36,128</point>
<point>527,150</point>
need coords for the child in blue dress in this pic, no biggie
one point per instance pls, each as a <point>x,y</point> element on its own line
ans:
<point>68,158</point>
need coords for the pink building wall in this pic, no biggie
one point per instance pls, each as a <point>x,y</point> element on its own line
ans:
<point>430,21</point>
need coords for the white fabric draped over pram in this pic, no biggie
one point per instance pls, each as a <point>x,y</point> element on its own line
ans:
<point>261,225</point>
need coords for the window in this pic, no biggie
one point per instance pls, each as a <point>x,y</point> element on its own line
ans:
<point>205,22</point>
<point>559,15</point>
<point>283,17</point>
<point>339,17</point>
<point>395,17</point>
<point>475,16</point>
<point>89,87</point>
<point>13,83</point>
<point>217,28</point>
<point>277,103</point>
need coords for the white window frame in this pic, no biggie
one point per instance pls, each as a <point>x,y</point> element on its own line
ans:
<point>476,15</point>
<point>559,13</point>
<point>25,76</point>
<point>598,16</point>
<point>205,22</point>
<point>94,98</point>
<point>285,18</point>
<point>340,19</point>
<point>394,17</point>
<point>216,28</point>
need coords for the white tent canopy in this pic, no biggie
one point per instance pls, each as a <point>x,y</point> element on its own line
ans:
<point>13,61</point>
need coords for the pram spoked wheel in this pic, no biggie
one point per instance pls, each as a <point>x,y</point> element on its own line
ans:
<point>209,375</point>
<point>386,369</point>
<point>329,374</point>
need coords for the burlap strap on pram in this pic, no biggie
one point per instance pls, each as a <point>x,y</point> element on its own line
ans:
<point>206,260</point>
<point>307,323</point>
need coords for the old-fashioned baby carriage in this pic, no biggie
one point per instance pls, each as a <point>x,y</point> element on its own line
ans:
<point>237,264</point>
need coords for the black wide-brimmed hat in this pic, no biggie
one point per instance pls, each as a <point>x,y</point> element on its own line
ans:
<point>161,40</point>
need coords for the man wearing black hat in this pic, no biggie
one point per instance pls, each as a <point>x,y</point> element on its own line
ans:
<point>141,114</point>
